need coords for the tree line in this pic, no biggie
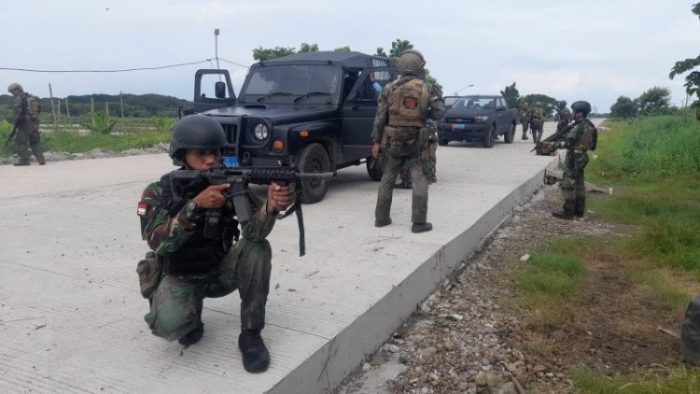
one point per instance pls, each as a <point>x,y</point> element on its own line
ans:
<point>134,105</point>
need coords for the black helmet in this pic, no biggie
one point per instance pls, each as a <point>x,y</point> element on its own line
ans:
<point>196,132</point>
<point>562,103</point>
<point>581,106</point>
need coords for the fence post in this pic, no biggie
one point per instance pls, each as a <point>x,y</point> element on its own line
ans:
<point>53,110</point>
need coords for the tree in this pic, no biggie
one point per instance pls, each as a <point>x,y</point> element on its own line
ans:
<point>342,49</point>
<point>261,54</point>
<point>512,95</point>
<point>654,101</point>
<point>306,48</point>
<point>623,108</point>
<point>692,80</point>
<point>380,52</point>
<point>398,46</point>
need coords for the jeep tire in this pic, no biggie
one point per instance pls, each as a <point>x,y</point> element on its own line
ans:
<point>313,158</point>
<point>510,135</point>
<point>443,142</point>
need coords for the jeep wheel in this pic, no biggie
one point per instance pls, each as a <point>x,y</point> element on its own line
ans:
<point>510,136</point>
<point>443,142</point>
<point>490,137</point>
<point>374,169</point>
<point>313,158</point>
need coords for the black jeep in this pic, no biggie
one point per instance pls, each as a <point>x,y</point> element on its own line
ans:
<point>313,110</point>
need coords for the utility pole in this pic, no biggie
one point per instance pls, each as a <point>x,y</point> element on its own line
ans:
<point>216,47</point>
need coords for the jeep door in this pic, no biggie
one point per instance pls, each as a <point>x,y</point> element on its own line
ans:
<point>358,111</point>
<point>212,89</point>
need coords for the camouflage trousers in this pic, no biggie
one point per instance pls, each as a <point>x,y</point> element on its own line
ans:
<point>526,124</point>
<point>28,136</point>
<point>405,173</point>
<point>573,182</point>
<point>176,305</point>
<point>536,125</point>
<point>420,187</point>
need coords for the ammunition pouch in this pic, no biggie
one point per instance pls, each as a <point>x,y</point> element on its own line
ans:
<point>149,270</point>
<point>405,141</point>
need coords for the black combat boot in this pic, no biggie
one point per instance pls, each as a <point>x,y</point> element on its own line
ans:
<point>382,223</point>
<point>421,227</point>
<point>563,214</point>
<point>256,358</point>
<point>192,337</point>
<point>580,208</point>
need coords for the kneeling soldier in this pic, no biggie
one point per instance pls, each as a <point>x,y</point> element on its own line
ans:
<point>197,252</point>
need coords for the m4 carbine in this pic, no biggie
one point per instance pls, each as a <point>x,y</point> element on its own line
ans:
<point>239,178</point>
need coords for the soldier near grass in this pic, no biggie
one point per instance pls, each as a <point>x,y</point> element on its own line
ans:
<point>196,250</point>
<point>537,121</point>
<point>564,116</point>
<point>525,111</point>
<point>25,122</point>
<point>401,133</point>
<point>578,140</point>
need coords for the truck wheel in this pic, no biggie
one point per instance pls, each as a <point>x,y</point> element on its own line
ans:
<point>510,135</point>
<point>313,158</point>
<point>490,137</point>
<point>374,169</point>
<point>443,142</point>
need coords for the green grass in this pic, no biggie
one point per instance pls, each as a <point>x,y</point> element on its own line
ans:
<point>549,278</point>
<point>662,285</point>
<point>133,134</point>
<point>680,380</point>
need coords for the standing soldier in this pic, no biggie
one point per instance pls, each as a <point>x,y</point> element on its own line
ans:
<point>537,121</point>
<point>563,116</point>
<point>196,250</point>
<point>25,124</point>
<point>525,112</point>
<point>401,133</point>
<point>581,138</point>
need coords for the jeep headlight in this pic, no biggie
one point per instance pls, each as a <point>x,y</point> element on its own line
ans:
<point>481,118</point>
<point>261,132</point>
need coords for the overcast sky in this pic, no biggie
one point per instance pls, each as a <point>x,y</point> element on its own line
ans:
<point>593,49</point>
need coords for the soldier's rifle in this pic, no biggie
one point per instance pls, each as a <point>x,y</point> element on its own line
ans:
<point>22,114</point>
<point>12,135</point>
<point>558,135</point>
<point>238,178</point>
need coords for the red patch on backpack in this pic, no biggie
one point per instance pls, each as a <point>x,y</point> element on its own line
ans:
<point>410,102</point>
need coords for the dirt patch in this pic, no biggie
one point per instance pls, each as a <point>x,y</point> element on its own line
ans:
<point>470,336</point>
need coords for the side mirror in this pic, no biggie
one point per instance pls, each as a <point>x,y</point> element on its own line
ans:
<point>220,89</point>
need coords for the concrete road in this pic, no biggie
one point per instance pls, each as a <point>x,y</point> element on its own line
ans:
<point>71,316</point>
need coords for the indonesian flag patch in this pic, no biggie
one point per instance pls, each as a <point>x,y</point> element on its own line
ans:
<point>141,210</point>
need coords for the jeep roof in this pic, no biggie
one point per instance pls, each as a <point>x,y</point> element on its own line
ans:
<point>346,59</point>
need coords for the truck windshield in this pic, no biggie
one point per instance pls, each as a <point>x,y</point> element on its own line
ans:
<point>475,102</point>
<point>293,81</point>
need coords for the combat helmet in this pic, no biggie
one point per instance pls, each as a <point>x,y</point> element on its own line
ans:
<point>581,106</point>
<point>562,104</point>
<point>196,132</point>
<point>14,86</point>
<point>411,62</point>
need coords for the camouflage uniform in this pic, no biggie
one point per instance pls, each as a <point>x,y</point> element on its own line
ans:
<point>525,112</point>
<point>405,173</point>
<point>196,266</point>
<point>564,117</point>
<point>27,130</point>
<point>537,122</point>
<point>577,142</point>
<point>402,144</point>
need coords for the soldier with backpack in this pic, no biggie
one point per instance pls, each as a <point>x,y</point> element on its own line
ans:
<point>25,122</point>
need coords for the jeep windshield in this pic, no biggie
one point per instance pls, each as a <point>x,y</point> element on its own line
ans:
<point>474,103</point>
<point>288,83</point>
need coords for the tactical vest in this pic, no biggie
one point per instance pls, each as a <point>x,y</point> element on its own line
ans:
<point>588,140</point>
<point>33,108</point>
<point>408,104</point>
<point>209,243</point>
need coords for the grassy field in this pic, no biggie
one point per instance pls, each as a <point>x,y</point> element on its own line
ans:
<point>654,166</point>
<point>98,132</point>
